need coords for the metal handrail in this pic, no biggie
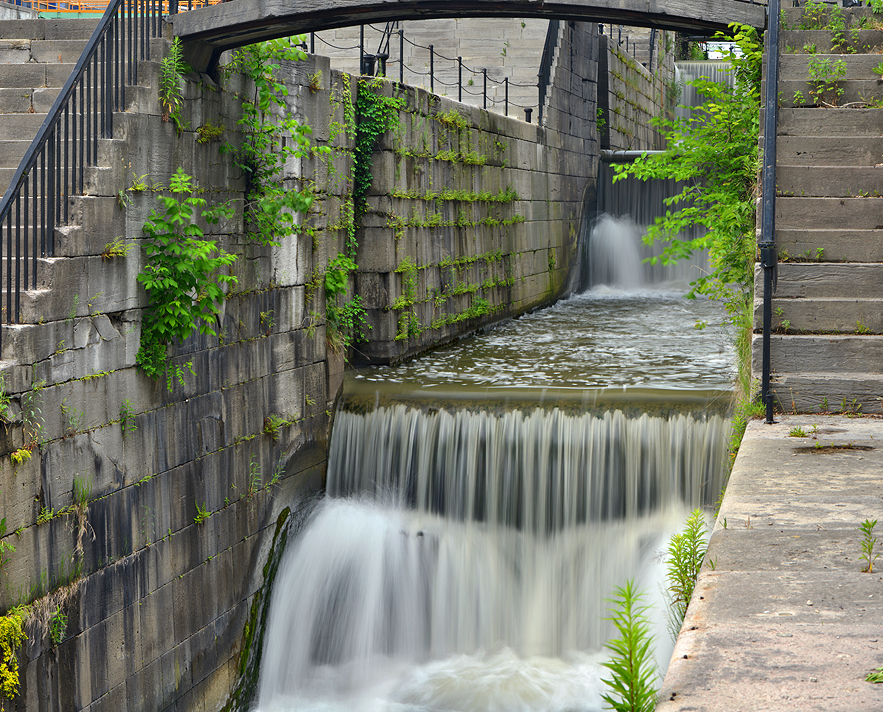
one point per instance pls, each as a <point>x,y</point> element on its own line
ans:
<point>545,73</point>
<point>53,168</point>
<point>767,243</point>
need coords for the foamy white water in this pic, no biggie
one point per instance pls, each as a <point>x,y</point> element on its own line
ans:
<point>380,608</point>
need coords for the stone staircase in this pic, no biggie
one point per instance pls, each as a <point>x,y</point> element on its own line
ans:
<point>36,58</point>
<point>827,347</point>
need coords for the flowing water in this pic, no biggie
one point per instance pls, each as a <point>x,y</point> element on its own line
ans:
<point>484,500</point>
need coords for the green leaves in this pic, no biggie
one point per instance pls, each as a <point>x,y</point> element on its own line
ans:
<point>686,551</point>
<point>272,136</point>
<point>633,670</point>
<point>715,151</point>
<point>181,274</point>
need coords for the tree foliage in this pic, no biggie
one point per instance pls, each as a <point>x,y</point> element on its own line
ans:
<point>715,152</point>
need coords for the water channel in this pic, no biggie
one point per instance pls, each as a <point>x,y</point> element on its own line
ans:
<point>484,500</point>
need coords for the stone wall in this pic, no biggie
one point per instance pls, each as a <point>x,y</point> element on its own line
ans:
<point>431,265</point>
<point>180,484</point>
<point>630,95</point>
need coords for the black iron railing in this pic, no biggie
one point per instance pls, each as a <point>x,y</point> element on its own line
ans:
<point>53,169</point>
<point>767,244</point>
<point>544,76</point>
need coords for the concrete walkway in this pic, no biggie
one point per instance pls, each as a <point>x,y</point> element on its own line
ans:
<point>782,617</point>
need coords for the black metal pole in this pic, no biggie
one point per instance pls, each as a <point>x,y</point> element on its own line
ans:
<point>312,43</point>
<point>768,204</point>
<point>361,49</point>
<point>432,69</point>
<point>401,56</point>
<point>459,79</point>
<point>484,72</point>
<point>506,105</point>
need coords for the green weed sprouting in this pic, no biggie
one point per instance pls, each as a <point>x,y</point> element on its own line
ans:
<point>172,69</point>
<point>686,551</point>
<point>633,670</point>
<point>868,543</point>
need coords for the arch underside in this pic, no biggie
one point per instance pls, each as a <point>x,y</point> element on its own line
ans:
<point>209,31</point>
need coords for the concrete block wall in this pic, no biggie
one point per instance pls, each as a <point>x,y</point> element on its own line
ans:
<point>521,254</point>
<point>159,600</point>
<point>156,621</point>
<point>630,95</point>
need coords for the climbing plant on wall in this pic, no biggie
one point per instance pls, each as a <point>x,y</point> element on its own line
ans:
<point>271,136</point>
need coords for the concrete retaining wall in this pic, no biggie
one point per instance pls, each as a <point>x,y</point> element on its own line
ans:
<point>472,256</point>
<point>157,619</point>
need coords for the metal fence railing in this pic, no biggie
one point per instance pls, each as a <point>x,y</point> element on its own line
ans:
<point>95,7</point>
<point>53,167</point>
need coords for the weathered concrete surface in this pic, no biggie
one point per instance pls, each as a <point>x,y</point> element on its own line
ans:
<point>783,618</point>
<point>209,31</point>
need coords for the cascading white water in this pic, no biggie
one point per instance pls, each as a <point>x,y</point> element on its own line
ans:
<point>462,560</point>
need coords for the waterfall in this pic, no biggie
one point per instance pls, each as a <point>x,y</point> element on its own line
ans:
<point>462,559</point>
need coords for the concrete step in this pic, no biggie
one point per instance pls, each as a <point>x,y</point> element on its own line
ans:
<point>48,28</point>
<point>835,181</point>
<point>829,213</point>
<point>837,244</point>
<point>795,67</point>
<point>29,51</point>
<point>832,280</point>
<point>795,17</point>
<point>855,91</point>
<point>824,392</point>
<point>829,373</point>
<point>26,100</point>
<point>829,150</point>
<point>35,74</point>
<point>834,353</point>
<point>867,41</point>
<point>828,122</point>
<point>824,315</point>
<point>17,127</point>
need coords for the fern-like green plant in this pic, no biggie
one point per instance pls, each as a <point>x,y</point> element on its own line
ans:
<point>686,551</point>
<point>171,71</point>
<point>633,670</point>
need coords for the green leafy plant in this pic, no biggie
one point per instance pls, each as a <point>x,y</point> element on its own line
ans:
<point>172,70</point>
<point>798,97</point>
<point>12,635</point>
<point>117,248</point>
<point>868,543</point>
<point>861,328</point>
<point>876,676</point>
<point>19,456</point>
<point>180,276</point>
<point>47,514</point>
<point>346,319</point>
<point>273,424</point>
<point>633,671</point>
<point>686,550</point>
<point>74,418</point>
<point>824,79</point>
<point>271,137</point>
<point>797,432</point>
<point>208,132</point>
<point>813,16</point>
<point>5,401</point>
<point>315,80</point>
<point>127,417</point>
<point>202,513</point>
<point>58,625</point>
<point>877,7</point>
<point>600,121</point>
<point>714,151</point>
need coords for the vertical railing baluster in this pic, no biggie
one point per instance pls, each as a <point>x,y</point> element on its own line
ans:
<point>88,109</point>
<point>82,142</point>
<point>35,243</point>
<point>23,224</point>
<point>9,267</point>
<point>52,180</point>
<point>44,198</point>
<point>17,256</point>
<point>64,182</point>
